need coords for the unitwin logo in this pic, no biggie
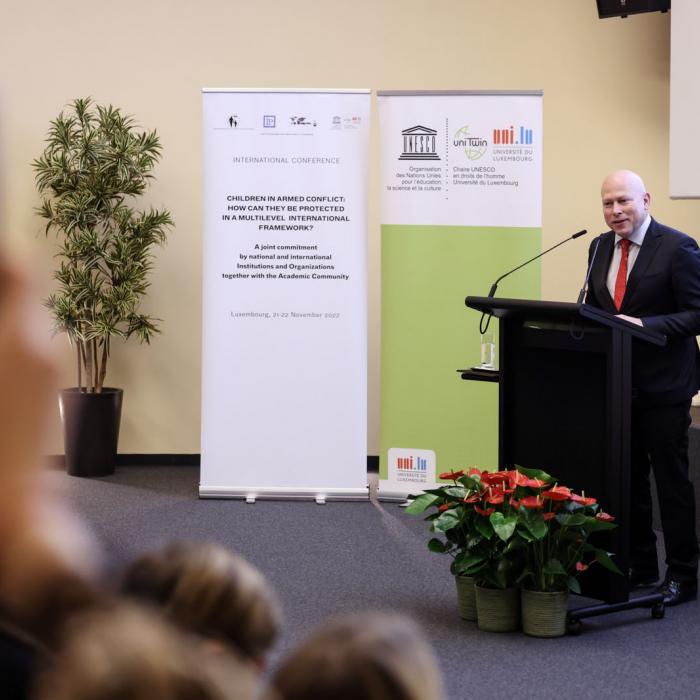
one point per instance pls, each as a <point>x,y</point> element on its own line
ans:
<point>419,143</point>
<point>413,465</point>
<point>512,136</point>
<point>474,146</point>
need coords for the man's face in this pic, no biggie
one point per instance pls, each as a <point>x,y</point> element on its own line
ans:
<point>625,204</point>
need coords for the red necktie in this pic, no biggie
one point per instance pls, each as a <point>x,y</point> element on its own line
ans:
<point>621,279</point>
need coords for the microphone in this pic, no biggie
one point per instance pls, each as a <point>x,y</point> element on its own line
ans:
<point>584,289</point>
<point>492,291</point>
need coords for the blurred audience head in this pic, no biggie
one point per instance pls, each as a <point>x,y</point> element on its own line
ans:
<point>51,565</point>
<point>129,653</point>
<point>369,656</point>
<point>208,590</point>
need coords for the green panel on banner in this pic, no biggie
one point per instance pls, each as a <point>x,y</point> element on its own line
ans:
<point>428,333</point>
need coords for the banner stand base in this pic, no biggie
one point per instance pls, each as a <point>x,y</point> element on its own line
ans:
<point>253,493</point>
<point>402,493</point>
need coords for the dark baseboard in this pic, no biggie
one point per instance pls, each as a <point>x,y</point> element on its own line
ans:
<point>140,460</point>
<point>170,460</point>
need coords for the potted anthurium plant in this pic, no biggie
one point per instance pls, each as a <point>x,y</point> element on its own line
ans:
<point>515,526</point>
<point>95,163</point>
<point>554,529</point>
<point>485,562</point>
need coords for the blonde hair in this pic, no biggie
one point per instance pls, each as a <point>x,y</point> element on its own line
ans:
<point>207,589</point>
<point>127,653</point>
<point>370,656</point>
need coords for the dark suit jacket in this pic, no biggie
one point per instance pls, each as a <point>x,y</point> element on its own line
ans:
<point>663,289</point>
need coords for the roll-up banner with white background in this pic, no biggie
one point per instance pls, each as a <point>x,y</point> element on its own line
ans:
<point>461,178</point>
<point>284,352</point>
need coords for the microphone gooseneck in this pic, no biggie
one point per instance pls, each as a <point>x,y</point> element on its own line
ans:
<point>486,317</point>
<point>494,286</point>
<point>584,289</point>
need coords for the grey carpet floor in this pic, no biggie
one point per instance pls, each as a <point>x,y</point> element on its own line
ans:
<point>344,557</point>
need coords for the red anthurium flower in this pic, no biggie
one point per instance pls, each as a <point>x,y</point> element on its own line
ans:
<point>550,516</point>
<point>508,474</point>
<point>557,493</point>
<point>444,507</point>
<point>532,502</point>
<point>583,500</point>
<point>580,566</point>
<point>495,497</point>
<point>474,471</point>
<point>493,478</point>
<point>519,479</point>
<point>452,475</point>
<point>482,511</point>
<point>606,517</point>
<point>474,498</point>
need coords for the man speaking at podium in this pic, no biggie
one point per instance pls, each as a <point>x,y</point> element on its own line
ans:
<point>649,274</point>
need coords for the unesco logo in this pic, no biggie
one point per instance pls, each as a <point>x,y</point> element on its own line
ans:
<point>419,143</point>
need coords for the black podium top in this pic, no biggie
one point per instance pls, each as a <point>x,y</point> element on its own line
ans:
<point>560,310</point>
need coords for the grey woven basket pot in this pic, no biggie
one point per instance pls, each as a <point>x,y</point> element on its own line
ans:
<point>466,597</point>
<point>544,612</point>
<point>498,609</point>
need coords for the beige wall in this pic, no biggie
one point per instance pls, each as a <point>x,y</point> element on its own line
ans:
<point>606,106</point>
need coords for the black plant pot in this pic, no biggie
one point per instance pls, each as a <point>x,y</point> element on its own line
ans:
<point>91,430</point>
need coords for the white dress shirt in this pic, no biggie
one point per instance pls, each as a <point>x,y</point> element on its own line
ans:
<point>636,239</point>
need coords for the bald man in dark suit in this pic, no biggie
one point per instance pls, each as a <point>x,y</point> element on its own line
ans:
<point>649,274</point>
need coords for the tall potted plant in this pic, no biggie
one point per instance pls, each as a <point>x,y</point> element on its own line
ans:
<point>95,163</point>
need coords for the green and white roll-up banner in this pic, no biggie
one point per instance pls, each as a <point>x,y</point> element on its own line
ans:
<point>284,351</point>
<point>461,180</point>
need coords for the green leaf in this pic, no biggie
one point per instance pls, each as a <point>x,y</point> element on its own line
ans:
<point>553,567</point>
<point>516,544</point>
<point>503,526</point>
<point>535,474</point>
<point>438,546</point>
<point>595,525</point>
<point>602,557</point>
<point>533,520</point>
<point>574,585</point>
<point>573,519</point>
<point>446,521</point>
<point>421,503</point>
<point>469,562</point>
<point>470,482</point>
<point>457,492</point>
<point>484,527</point>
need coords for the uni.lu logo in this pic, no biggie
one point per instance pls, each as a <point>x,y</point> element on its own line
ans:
<point>512,137</point>
<point>419,143</point>
<point>411,465</point>
<point>419,464</point>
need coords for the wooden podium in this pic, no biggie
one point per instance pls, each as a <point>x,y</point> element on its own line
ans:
<point>565,394</point>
